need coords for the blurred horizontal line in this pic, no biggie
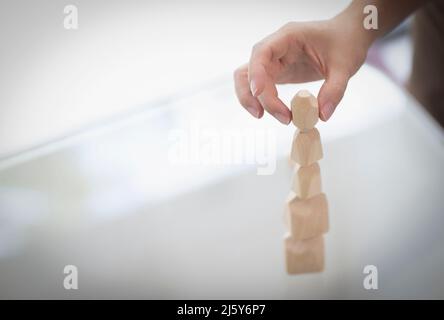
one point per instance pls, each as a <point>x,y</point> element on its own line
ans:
<point>108,123</point>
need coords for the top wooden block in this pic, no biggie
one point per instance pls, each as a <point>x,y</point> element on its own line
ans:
<point>304,110</point>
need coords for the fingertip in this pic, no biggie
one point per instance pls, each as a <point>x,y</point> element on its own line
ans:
<point>253,106</point>
<point>253,111</point>
<point>326,111</point>
<point>275,107</point>
<point>261,113</point>
<point>283,118</point>
<point>331,93</point>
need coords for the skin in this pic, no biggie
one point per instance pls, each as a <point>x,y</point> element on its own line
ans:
<point>299,52</point>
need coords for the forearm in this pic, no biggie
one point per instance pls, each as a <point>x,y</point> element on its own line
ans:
<point>390,14</point>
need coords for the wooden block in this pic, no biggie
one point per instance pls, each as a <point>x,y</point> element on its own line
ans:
<point>307,181</point>
<point>308,218</point>
<point>291,196</point>
<point>306,148</point>
<point>304,110</point>
<point>304,256</point>
<point>291,163</point>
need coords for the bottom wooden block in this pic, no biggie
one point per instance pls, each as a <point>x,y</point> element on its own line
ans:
<point>304,256</point>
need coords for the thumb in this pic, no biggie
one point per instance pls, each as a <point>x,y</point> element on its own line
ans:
<point>331,93</point>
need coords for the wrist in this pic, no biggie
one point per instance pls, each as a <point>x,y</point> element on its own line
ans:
<point>350,24</point>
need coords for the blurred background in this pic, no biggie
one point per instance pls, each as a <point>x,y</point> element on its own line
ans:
<point>56,81</point>
<point>90,118</point>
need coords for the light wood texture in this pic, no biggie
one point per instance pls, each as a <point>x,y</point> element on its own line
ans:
<point>306,148</point>
<point>307,181</point>
<point>304,256</point>
<point>291,163</point>
<point>291,196</point>
<point>304,110</point>
<point>307,218</point>
<point>306,212</point>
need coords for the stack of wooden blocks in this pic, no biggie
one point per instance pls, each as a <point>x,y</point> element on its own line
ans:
<point>306,208</point>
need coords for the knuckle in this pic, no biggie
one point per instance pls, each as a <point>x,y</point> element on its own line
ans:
<point>258,46</point>
<point>291,28</point>
<point>287,26</point>
<point>238,72</point>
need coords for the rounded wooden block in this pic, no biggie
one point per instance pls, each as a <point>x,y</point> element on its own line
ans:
<point>307,218</point>
<point>291,196</point>
<point>306,148</point>
<point>307,181</point>
<point>304,110</point>
<point>304,256</point>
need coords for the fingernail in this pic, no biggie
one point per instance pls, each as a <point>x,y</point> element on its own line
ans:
<point>282,118</point>
<point>327,111</point>
<point>253,111</point>
<point>253,88</point>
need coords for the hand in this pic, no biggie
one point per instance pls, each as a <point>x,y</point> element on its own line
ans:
<point>301,52</point>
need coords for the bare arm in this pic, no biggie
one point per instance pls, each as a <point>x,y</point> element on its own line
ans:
<point>300,52</point>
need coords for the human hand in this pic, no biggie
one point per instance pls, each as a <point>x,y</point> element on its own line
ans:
<point>301,52</point>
